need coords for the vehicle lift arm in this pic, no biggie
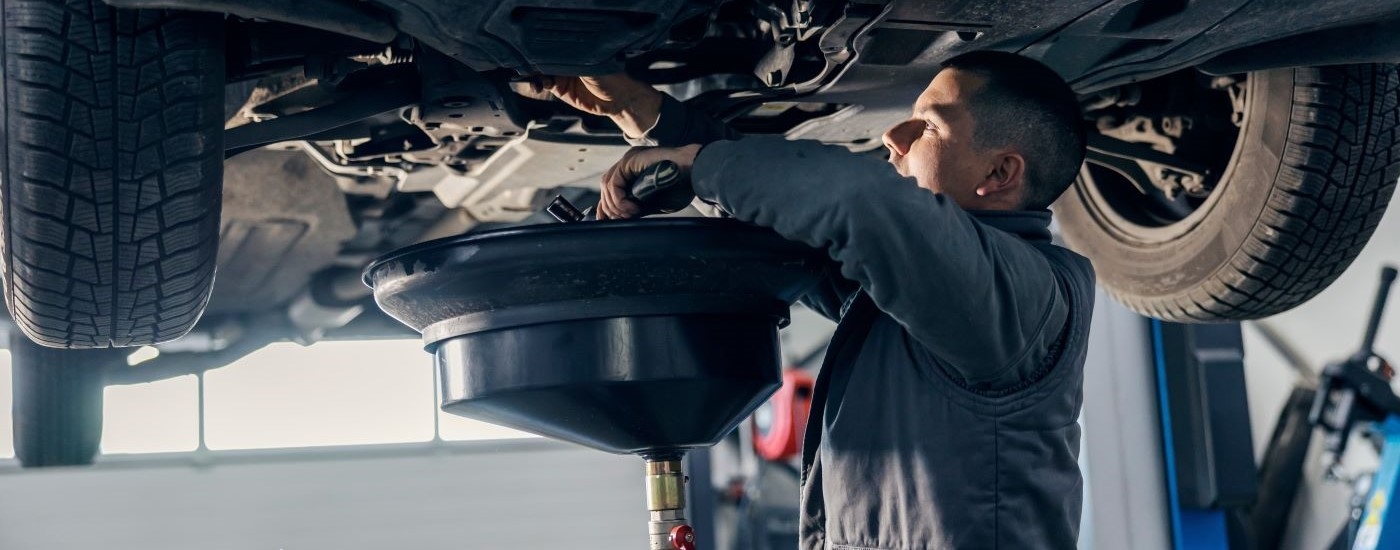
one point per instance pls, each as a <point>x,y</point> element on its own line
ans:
<point>1357,390</point>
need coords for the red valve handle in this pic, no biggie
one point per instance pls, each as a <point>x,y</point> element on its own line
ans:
<point>682,538</point>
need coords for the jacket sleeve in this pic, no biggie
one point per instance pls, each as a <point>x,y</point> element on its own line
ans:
<point>679,125</point>
<point>985,303</point>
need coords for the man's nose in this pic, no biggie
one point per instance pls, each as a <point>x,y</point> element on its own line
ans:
<point>898,138</point>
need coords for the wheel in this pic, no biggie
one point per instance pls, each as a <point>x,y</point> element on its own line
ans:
<point>1233,198</point>
<point>57,402</point>
<point>112,162</point>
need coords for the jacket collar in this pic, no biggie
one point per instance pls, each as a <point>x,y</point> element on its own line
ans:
<point>1031,225</point>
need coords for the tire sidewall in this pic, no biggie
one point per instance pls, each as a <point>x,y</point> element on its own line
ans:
<point>1158,270</point>
<point>6,174</point>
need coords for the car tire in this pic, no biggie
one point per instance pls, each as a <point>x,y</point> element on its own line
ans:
<point>1314,166</point>
<point>112,165</point>
<point>57,409</point>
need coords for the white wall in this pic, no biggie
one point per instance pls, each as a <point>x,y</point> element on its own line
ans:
<point>1125,502</point>
<point>488,495</point>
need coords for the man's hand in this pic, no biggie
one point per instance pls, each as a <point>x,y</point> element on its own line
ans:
<point>615,200</point>
<point>633,106</point>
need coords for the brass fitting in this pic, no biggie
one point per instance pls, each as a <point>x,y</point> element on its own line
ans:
<point>665,485</point>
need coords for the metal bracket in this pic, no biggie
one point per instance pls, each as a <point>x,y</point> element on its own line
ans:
<point>1150,170</point>
<point>349,110</point>
<point>375,181</point>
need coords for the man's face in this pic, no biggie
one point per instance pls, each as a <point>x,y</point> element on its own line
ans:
<point>935,146</point>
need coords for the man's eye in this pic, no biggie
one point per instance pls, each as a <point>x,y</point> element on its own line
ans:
<point>929,127</point>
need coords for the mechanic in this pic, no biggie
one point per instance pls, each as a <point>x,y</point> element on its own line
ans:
<point>949,395</point>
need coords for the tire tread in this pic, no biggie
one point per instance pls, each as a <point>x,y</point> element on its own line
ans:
<point>113,170</point>
<point>1339,172</point>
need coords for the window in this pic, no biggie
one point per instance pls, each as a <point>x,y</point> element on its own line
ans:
<point>157,417</point>
<point>285,395</point>
<point>331,393</point>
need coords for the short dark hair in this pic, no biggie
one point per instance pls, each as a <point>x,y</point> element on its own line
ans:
<point>1026,105</point>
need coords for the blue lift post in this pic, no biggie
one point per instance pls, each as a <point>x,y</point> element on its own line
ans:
<point>1207,442</point>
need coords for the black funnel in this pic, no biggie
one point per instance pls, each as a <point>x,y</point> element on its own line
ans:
<point>649,336</point>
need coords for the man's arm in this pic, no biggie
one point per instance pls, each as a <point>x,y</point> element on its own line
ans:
<point>677,125</point>
<point>649,117</point>
<point>984,302</point>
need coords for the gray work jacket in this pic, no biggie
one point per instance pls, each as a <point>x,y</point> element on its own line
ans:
<point>945,413</point>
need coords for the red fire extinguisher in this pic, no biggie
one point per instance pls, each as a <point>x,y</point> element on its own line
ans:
<point>779,424</point>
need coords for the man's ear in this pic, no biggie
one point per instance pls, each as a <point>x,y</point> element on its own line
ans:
<point>1005,177</point>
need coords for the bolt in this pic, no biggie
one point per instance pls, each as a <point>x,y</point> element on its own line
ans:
<point>1222,82</point>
